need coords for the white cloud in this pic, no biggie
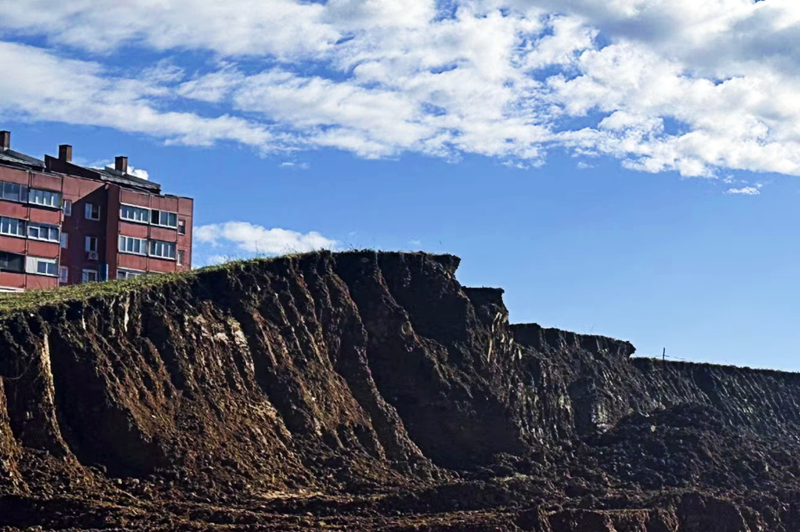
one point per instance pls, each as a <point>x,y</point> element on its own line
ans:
<point>738,123</point>
<point>696,88</point>
<point>212,88</point>
<point>745,191</point>
<point>378,121</point>
<point>293,166</point>
<point>47,87</point>
<point>138,172</point>
<point>255,239</point>
<point>234,27</point>
<point>215,259</point>
<point>141,173</point>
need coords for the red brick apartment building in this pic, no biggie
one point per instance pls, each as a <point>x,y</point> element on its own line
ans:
<point>61,223</point>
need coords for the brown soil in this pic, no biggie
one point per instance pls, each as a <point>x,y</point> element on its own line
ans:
<point>371,391</point>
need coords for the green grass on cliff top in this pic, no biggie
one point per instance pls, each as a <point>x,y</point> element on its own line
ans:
<point>14,302</point>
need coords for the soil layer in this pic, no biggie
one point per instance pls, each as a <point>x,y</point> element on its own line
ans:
<point>371,391</point>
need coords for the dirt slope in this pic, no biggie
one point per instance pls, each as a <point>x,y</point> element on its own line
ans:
<point>371,391</point>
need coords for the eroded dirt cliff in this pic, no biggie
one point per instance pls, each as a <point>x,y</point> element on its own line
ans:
<point>371,391</point>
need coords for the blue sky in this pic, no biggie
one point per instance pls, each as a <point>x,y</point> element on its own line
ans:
<point>619,169</point>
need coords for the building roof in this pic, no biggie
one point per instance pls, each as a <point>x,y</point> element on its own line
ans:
<point>20,159</point>
<point>114,176</point>
<point>14,158</point>
<point>109,175</point>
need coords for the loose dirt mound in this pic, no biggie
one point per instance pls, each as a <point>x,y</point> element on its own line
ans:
<point>365,391</point>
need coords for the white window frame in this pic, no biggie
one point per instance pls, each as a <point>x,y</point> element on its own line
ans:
<point>86,273</point>
<point>160,215</point>
<point>43,227</point>
<point>146,219</point>
<point>64,240</point>
<point>165,245</point>
<point>21,196</point>
<point>181,226</point>
<point>67,207</point>
<point>170,217</point>
<point>63,276</point>
<point>44,198</point>
<point>143,245</point>
<point>88,244</point>
<point>32,266</point>
<point>89,211</point>
<point>20,225</point>
<point>127,273</point>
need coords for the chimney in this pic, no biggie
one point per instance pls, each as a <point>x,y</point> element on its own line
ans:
<point>65,153</point>
<point>5,140</point>
<point>121,164</point>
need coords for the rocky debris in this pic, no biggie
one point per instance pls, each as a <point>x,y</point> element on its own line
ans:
<point>371,391</point>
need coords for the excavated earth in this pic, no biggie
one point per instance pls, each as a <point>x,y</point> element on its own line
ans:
<point>371,391</point>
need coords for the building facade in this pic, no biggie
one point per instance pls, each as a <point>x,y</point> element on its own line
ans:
<point>62,223</point>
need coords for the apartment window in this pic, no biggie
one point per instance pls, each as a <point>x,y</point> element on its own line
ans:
<point>64,240</point>
<point>67,207</point>
<point>128,244</point>
<point>180,257</point>
<point>168,219</point>
<point>165,250</point>
<point>14,192</point>
<point>64,277</point>
<point>91,243</point>
<point>134,214</point>
<point>11,262</point>
<point>89,276</point>
<point>182,227</point>
<point>128,274</point>
<point>12,226</point>
<point>43,232</point>
<point>41,266</point>
<point>44,197</point>
<point>92,211</point>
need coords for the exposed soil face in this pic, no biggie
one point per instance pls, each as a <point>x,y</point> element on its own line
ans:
<point>371,391</point>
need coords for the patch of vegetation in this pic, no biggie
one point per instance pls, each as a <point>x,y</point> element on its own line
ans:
<point>14,302</point>
<point>31,299</point>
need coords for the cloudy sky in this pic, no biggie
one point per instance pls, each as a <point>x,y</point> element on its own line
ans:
<point>625,167</point>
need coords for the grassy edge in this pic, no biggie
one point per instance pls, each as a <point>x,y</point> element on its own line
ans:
<point>31,299</point>
<point>11,303</point>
